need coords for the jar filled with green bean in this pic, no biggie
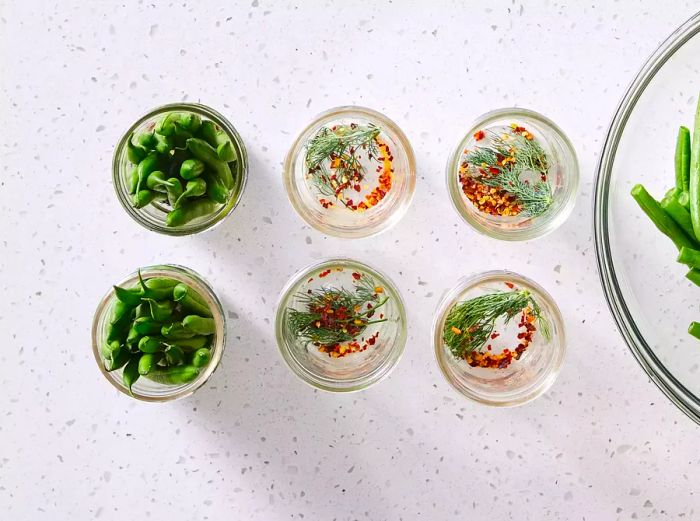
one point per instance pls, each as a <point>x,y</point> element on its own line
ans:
<point>159,334</point>
<point>180,169</point>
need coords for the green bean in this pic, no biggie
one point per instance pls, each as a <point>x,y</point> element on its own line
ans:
<point>144,198</point>
<point>204,151</point>
<point>166,125</point>
<point>118,362</point>
<point>693,276</point>
<point>192,344</point>
<point>176,331</point>
<point>160,311</point>
<point>145,167</point>
<point>133,181</point>
<point>177,375</point>
<point>208,132</point>
<point>146,140</point>
<point>694,329</point>
<point>684,200</point>
<point>131,296</point>
<point>226,152</point>
<point>118,327</point>
<point>191,168</point>
<point>219,140</point>
<point>174,355</point>
<point>679,214</point>
<point>164,144</point>
<point>152,344</point>
<point>201,357</point>
<point>190,122</point>
<point>156,288</point>
<point>110,350</point>
<point>157,181</point>
<point>148,361</point>
<point>142,310</point>
<point>689,257</point>
<point>134,153</point>
<point>216,191</point>
<point>199,325</point>
<point>146,326</point>
<point>174,191</point>
<point>682,159</point>
<point>189,211</point>
<point>134,337</point>
<point>194,188</point>
<point>660,218</point>
<point>131,373</point>
<point>694,185</point>
<point>191,300</point>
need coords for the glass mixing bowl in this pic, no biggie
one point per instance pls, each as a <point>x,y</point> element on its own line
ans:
<point>646,289</point>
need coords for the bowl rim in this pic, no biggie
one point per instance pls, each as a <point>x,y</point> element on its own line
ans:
<point>685,400</point>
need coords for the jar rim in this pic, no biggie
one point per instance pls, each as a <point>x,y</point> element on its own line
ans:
<point>336,385</point>
<point>296,151</point>
<point>189,277</point>
<point>211,221</point>
<point>452,295</point>
<point>541,225</point>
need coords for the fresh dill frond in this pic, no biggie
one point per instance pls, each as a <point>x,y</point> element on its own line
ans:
<point>342,144</point>
<point>535,198</point>
<point>470,324</point>
<point>334,315</point>
<point>503,163</point>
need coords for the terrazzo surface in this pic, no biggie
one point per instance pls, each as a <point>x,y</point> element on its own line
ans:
<point>255,442</point>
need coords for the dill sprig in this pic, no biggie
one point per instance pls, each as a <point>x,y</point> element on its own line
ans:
<point>511,156</point>
<point>470,324</point>
<point>342,142</point>
<point>334,315</point>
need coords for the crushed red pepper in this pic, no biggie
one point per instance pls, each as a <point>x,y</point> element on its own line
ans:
<point>506,356</point>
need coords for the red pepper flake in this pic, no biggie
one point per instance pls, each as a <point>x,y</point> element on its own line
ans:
<point>324,273</point>
<point>506,356</point>
<point>356,275</point>
<point>479,135</point>
<point>509,284</point>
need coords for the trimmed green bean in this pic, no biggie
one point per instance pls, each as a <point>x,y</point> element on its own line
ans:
<point>191,168</point>
<point>189,211</point>
<point>176,331</point>
<point>134,153</point>
<point>192,344</point>
<point>191,300</point>
<point>174,355</point>
<point>694,329</point>
<point>694,185</point>
<point>148,361</point>
<point>689,257</point>
<point>152,344</point>
<point>682,159</point>
<point>660,218</point>
<point>131,372</point>
<point>679,214</point>
<point>204,151</point>
<point>194,188</point>
<point>201,357</point>
<point>118,362</point>
<point>199,325</point>
<point>216,191</point>
<point>157,181</point>
<point>160,311</point>
<point>693,276</point>
<point>177,375</point>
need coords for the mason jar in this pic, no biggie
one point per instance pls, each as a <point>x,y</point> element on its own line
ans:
<point>153,215</point>
<point>145,389</point>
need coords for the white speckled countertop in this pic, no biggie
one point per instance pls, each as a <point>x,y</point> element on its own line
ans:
<point>256,443</point>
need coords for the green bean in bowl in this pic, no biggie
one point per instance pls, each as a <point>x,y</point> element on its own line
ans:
<point>180,169</point>
<point>159,334</point>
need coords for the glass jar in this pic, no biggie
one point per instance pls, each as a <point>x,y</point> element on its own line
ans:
<point>145,389</point>
<point>562,175</point>
<point>379,346</point>
<point>386,189</point>
<point>525,378</point>
<point>152,216</point>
